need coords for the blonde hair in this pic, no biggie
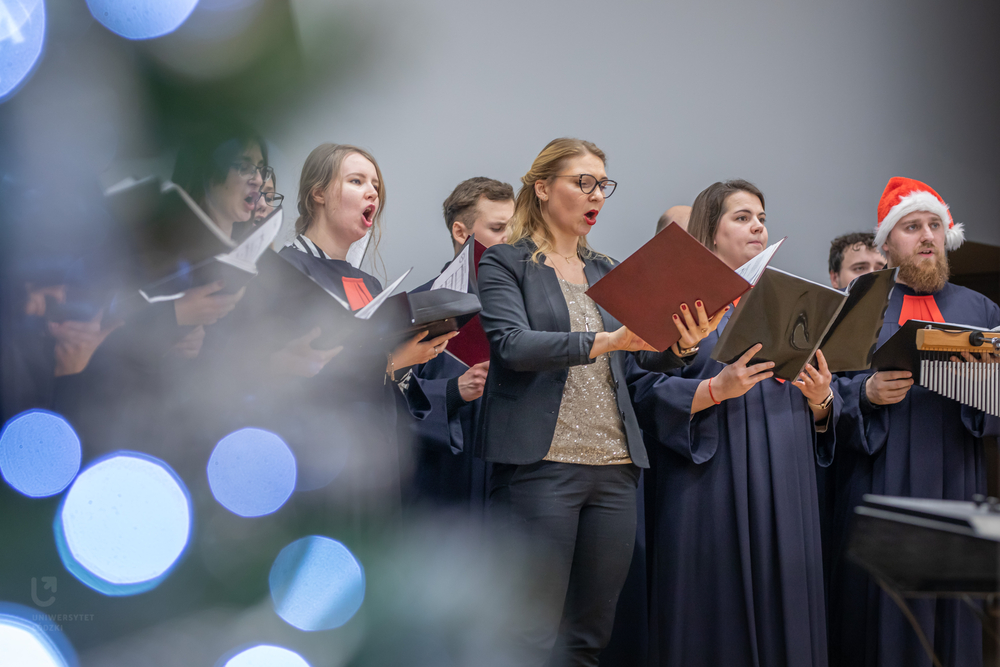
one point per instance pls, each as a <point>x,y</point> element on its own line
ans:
<point>528,222</point>
<point>320,168</point>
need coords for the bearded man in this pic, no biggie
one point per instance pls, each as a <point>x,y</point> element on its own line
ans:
<point>905,440</point>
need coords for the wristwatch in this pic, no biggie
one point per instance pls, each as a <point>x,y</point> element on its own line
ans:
<point>827,402</point>
<point>686,351</point>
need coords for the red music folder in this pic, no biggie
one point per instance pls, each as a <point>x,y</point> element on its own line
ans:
<point>470,346</point>
<point>645,290</point>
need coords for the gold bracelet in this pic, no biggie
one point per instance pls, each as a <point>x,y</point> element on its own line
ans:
<point>687,352</point>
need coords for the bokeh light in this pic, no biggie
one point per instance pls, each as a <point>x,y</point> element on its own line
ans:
<point>316,583</point>
<point>251,472</point>
<point>141,19</point>
<point>123,524</point>
<point>22,35</point>
<point>265,655</point>
<point>24,642</point>
<point>39,453</point>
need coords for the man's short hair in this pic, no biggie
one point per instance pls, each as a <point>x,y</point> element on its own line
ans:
<point>461,203</point>
<point>855,241</point>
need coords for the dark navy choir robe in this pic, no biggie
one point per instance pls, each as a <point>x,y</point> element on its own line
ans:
<point>734,548</point>
<point>445,472</point>
<point>926,446</point>
<point>342,423</point>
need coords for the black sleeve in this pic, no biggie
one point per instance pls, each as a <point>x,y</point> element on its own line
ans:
<point>661,362</point>
<point>453,397</point>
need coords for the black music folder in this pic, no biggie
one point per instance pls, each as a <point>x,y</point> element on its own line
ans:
<point>793,317</point>
<point>174,246</point>
<point>235,268</point>
<point>388,319</point>
<point>451,301</point>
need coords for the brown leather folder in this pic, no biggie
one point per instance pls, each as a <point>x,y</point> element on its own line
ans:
<point>645,290</point>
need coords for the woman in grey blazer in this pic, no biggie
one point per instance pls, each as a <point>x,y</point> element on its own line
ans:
<point>557,420</point>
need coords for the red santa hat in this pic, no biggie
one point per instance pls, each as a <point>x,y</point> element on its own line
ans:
<point>903,196</point>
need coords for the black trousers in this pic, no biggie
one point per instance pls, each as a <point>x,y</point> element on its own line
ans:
<point>582,519</point>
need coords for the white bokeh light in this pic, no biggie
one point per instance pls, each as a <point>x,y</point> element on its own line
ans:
<point>266,656</point>
<point>123,524</point>
<point>25,643</point>
<point>141,19</point>
<point>22,36</point>
<point>316,584</point>
<point>39,453</point>
<point>251,472</point>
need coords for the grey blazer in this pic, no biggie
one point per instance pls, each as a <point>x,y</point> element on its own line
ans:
<point>531,349</point>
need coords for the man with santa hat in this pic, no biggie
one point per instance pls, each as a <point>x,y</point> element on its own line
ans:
<point>905,440</point>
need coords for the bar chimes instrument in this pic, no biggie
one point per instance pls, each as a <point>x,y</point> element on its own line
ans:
<point>928,350</point>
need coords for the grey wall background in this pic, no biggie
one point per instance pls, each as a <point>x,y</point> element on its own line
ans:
<point>819,104</point>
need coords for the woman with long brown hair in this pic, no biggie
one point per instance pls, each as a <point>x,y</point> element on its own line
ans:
<point>341,199</point>
<point>557,420</point>
<point>731,497</point>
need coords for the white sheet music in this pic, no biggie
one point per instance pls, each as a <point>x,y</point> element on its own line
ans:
<point>752,270</point>
<point>373,305</point>
<point>456,275</point>
<point>356,253</point>
<point>248,252</point>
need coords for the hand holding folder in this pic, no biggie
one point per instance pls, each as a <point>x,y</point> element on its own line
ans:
<point>646,290</point>
<point>792,317</point>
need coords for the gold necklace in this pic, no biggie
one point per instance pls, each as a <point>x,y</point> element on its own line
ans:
<point>559,273</point>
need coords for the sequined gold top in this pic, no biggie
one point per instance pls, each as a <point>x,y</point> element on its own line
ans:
<point>589,428</point>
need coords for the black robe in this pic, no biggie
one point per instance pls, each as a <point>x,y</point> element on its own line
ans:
<point>734,548</point>
<point>340,424</point>
<point>445,472</point>
<point>925,446</point>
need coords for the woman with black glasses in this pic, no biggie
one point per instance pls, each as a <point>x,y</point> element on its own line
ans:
<point>558,422</point>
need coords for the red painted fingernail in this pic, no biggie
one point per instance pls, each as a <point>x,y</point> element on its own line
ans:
<point>676,318</point>
<point>699,304</point>
<point>684,306</point>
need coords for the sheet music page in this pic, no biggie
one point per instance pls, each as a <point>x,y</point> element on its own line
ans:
<point>456,276</point>
<point>356,253</point>
<point>752,270</point>
<point>164,297</point>
<point>126,183</point>
<point>373,305</point>
<point>248,252</point>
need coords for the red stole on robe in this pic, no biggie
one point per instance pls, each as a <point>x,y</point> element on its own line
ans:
<point>358,295</point>
<point>919,308</point>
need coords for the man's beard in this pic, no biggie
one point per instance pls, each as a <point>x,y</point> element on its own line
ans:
<point>921,275</point>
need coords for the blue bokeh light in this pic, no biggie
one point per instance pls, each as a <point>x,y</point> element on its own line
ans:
<point>141,19</point>
<point>124,524</point>
<point>266,655</point>
<point>251,472</point>
<point>316,584</point>
<point>22,36</point>
<point>26,643</point>
<point>39,453</point>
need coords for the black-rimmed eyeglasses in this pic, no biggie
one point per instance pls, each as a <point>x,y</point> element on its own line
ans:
<point>272,198</point>
<point>248,169</point>
<point>589,183</point>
